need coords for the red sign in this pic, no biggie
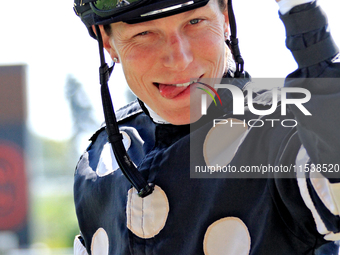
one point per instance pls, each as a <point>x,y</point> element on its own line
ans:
<point>13,187</point>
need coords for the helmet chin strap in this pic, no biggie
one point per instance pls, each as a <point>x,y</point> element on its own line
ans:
<point>233,42</point>
<point>114,136</point>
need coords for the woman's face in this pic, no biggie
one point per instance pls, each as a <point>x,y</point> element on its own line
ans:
<point>162,56</point>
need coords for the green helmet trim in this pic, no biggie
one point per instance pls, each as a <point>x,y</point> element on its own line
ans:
<point>112,4</point>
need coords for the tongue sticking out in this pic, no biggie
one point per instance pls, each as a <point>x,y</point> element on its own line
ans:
<point>170,91</point>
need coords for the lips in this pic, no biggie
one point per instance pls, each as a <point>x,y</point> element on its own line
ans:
<point>171,91</point>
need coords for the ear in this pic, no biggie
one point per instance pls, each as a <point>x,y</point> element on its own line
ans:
<point>226,18</point>
<point>108,46</point>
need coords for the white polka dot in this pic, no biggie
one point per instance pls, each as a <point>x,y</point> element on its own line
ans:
<point>222,142</point>
<point>227,236</point>
<point>100,243</point>
<point>107,162</point>
<point>78,247</point>
<point>301,159</point>
<point>146,217</point>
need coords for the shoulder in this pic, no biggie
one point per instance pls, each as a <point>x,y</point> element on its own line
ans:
<point>135,127</point>
<point>127,112</point>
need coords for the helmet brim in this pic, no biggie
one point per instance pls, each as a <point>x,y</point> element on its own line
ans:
<point>142,11</point>
<point>153,10</point>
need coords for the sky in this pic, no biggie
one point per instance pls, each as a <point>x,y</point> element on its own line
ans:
<point>52,41</point>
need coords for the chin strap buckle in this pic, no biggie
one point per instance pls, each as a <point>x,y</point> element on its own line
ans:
<point>147,190</point>
<point>235,50</point>
<point>105,73</point>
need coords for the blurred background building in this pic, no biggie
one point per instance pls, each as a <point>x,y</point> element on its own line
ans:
<point>13,175</point>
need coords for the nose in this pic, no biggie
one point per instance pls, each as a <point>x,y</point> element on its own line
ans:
<point>177,52</point>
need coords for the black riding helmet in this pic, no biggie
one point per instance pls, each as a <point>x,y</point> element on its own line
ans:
<point>104,12</point>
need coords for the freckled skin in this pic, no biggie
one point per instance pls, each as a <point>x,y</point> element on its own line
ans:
<point>171,50</point>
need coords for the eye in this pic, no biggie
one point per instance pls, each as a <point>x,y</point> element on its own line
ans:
<point>194,21</point>
<point>143,33</point>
